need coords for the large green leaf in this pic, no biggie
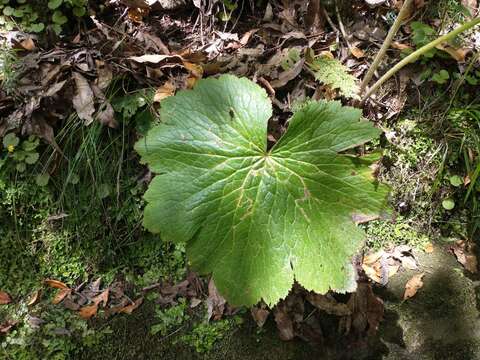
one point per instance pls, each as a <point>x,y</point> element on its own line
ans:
<point>259,219</point>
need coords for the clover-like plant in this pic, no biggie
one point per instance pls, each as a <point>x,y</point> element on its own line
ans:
<point>259,218</point>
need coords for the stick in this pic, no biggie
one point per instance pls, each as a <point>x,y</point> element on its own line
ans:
<point>386,44</point>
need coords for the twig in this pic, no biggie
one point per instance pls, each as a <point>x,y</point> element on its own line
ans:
<point>342,28</point>
<point>416,54</point>
<point>386,44</point>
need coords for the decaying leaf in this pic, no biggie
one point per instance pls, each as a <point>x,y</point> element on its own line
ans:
<point>84,100</point>
<point>34,297</point>
<point>328,304</point>
<point>7,326</point>
<point>413,285</point>
<point>62,294</point>
<point>285,76</point>
<point>465,253</point>
<point>458,54</point>
<point>55,284</point>
<point>132,307</point>
<point>366,311</point>
<point>260,315</point>
<point>89,311</point>
<point>284,322</point>
<point>5,298</point>
<point>237,180</point>
<point>215,302</point>
<point>164,91</point>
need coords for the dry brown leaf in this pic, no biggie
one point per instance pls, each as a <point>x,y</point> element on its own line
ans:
<point>471,5</point>
<point>284,322</point>
<point>194,69</point>
<point>191,81</point>
<point>5,298</point>
<point>215,302</point>
<point>28,44</point>
<point>136,14</point>
<point>259,315</point>
<point>106,115</point>
<point>465,254</point>
<point>7,326</point>
<point>35,297</point>
<point>132,307</point>
<point>458,54</point>
<point>413,285</point>
<point>400,46</point>
<point>83,101</point>
<point>358,53</point>
<point>87,312</point>
<point>328,304</point>
<point>164,91</point>
<point>429,248</point>
<point>103,297</point>
<point>285,76</point>
<point>55,284</point>
<point>62,294</point>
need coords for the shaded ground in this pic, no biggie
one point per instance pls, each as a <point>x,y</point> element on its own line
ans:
<point>440,322</point>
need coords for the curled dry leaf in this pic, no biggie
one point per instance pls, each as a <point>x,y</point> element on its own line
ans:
<point>287,75</point>
<point>429,248</point>
<point>328,304</point>
<point>55,284</point>
<point>87,312</point>
<point>413,285</point>
<point>164,91</point>
<point>284,322</point>
<point>7,326</point>
<point>458,54</point>
<point>260,315</point>
<point>132,307</point>
<point>215,302</point>
<point>83,101</point>
<point>358,53</point>
<point>35,297</point>
<point>465,254</point>
<point>62,294</point>
<point>5,298</point>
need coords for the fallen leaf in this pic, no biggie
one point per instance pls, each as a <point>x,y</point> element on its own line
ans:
<point>400,46</point>
<point>106,115</point>
<point>28,44</point>
<point>5,298</point>
<point>132,307</point>
<point>156,58</point>
<point>87,312</point>
<point>465,254</point>
<point>429,248</point>
<point>7,326</point>
<point>194,69</point>
<point>260,315</point>
<point>413,285</point>
<point>62,294</point>
<point>284,322</point>
<point>458,54</point>
<point>102,298</point>
<point>35,297</point>
<point>164,91</point>
<point>471,5</point>
<point>83,101</point>
<point>285,76</point>
<point>358,53</point>
<point>55,284</point>
<point>215,302</point>
<point>328,304</point>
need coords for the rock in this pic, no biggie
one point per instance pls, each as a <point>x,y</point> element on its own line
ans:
<point>167,4</point>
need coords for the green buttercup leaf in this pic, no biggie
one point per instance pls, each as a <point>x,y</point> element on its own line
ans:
<point>79,11</point>
<point>58,18</point>
<point>42,179</point>
<point>54,4</point>
<point>258,219</point>
<point>10,140</point>
<point>448,204</point>
<point>37,27</point>
<point>441,77</point>
<point>8,11</point>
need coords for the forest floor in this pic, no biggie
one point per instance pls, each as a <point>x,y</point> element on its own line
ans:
<point>81,279</point>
